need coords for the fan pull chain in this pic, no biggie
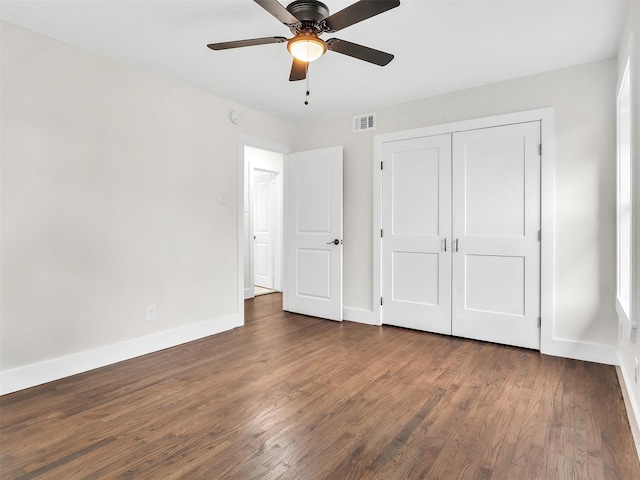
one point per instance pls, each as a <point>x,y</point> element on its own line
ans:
<point>306,100</point>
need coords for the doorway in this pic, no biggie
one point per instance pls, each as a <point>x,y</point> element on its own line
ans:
<point>263,220</point>
<point>310,229</point>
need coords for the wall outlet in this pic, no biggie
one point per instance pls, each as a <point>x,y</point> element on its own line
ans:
<point>151,312</point>
<point>636,371</point>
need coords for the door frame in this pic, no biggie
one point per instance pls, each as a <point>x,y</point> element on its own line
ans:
<point>246,140</point>
<point>546,118</point>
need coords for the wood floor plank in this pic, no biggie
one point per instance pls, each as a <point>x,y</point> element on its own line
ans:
<point>294,397</point>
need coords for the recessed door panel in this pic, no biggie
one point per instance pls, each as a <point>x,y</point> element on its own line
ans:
<point>313,194</point>
<point>415,277</point>
<point>415,191</point>
<point>495,284</point>
<point>261,263</point>
<point>495,187</point>
<point>317,261</point>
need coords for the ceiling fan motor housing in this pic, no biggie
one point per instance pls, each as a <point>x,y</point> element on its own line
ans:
<point>311,15</point>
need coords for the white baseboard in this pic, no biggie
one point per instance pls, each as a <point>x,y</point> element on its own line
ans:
<point>47,371</point>
<point>588,352</point>
<point>247,293</point>
<point>630,403</point>
<point>357,315</point>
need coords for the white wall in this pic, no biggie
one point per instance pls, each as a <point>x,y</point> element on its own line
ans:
<point>583,101</point>
<point>628,350</point>
<point>110,196</point>
<point>111,182</point>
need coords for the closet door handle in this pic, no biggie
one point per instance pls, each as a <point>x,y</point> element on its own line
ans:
<point>444,243</point>
<point>456,245</point>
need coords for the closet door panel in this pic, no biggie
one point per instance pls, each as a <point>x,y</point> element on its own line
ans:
<point>496,212</point>
<point>416,271</point>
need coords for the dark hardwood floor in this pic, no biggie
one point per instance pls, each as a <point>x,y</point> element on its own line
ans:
<point>294,397</point>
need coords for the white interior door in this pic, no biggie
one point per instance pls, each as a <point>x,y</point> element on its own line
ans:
<point>264,203</point>
<point>416,247</point>
<point>313,233</point>
<point>496,259</point>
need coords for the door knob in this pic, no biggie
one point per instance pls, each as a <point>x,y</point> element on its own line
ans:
<point>335,242</point>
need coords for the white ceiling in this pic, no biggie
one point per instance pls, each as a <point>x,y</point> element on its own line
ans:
<point>439,46</point>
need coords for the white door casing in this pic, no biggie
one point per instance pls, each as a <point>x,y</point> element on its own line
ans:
<point>263,229</point>
<point>313,213</point>
<point>416,227</point>
<point>496,259</point>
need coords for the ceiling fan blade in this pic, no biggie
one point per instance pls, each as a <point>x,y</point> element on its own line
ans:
<point>359,51</point>
<point>277,10</point>
<point>298,70</point>
<point>246,43</point>
<point>357,12</point>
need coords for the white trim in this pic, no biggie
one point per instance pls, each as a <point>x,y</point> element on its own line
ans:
<point>627,316</point>
<point>61,367</point>
<point>588,352</point>
<point>285,243</point>
<point>548,344</point>
<point>631,404</point>
<point>240,227</point>
<point>248,173</point>
<point>265,145</point>
<point>358,315</point>
<point>465,125</point>
<point>547,215</point>
<point>378,142</point>
<point>279,230</point>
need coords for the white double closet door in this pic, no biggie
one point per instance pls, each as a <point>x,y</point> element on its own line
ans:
<point>460,245</point>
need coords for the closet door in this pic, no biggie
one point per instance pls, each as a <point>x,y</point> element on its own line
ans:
<point>416,221</point>
<point>496,259</point>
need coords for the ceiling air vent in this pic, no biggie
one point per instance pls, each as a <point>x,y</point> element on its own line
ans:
<point>364,122</point>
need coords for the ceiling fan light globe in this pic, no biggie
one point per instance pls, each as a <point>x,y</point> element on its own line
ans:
<point>306,48</point>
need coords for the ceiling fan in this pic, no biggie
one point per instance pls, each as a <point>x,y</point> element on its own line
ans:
<point>307,20</point>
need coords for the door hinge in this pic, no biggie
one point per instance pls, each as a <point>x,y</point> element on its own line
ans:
<point>539,235</point>
<point>381,233</point>
<point>380,165</point>
<point>380,300</point>
<point>539,322</point>
<point>540,149</point>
